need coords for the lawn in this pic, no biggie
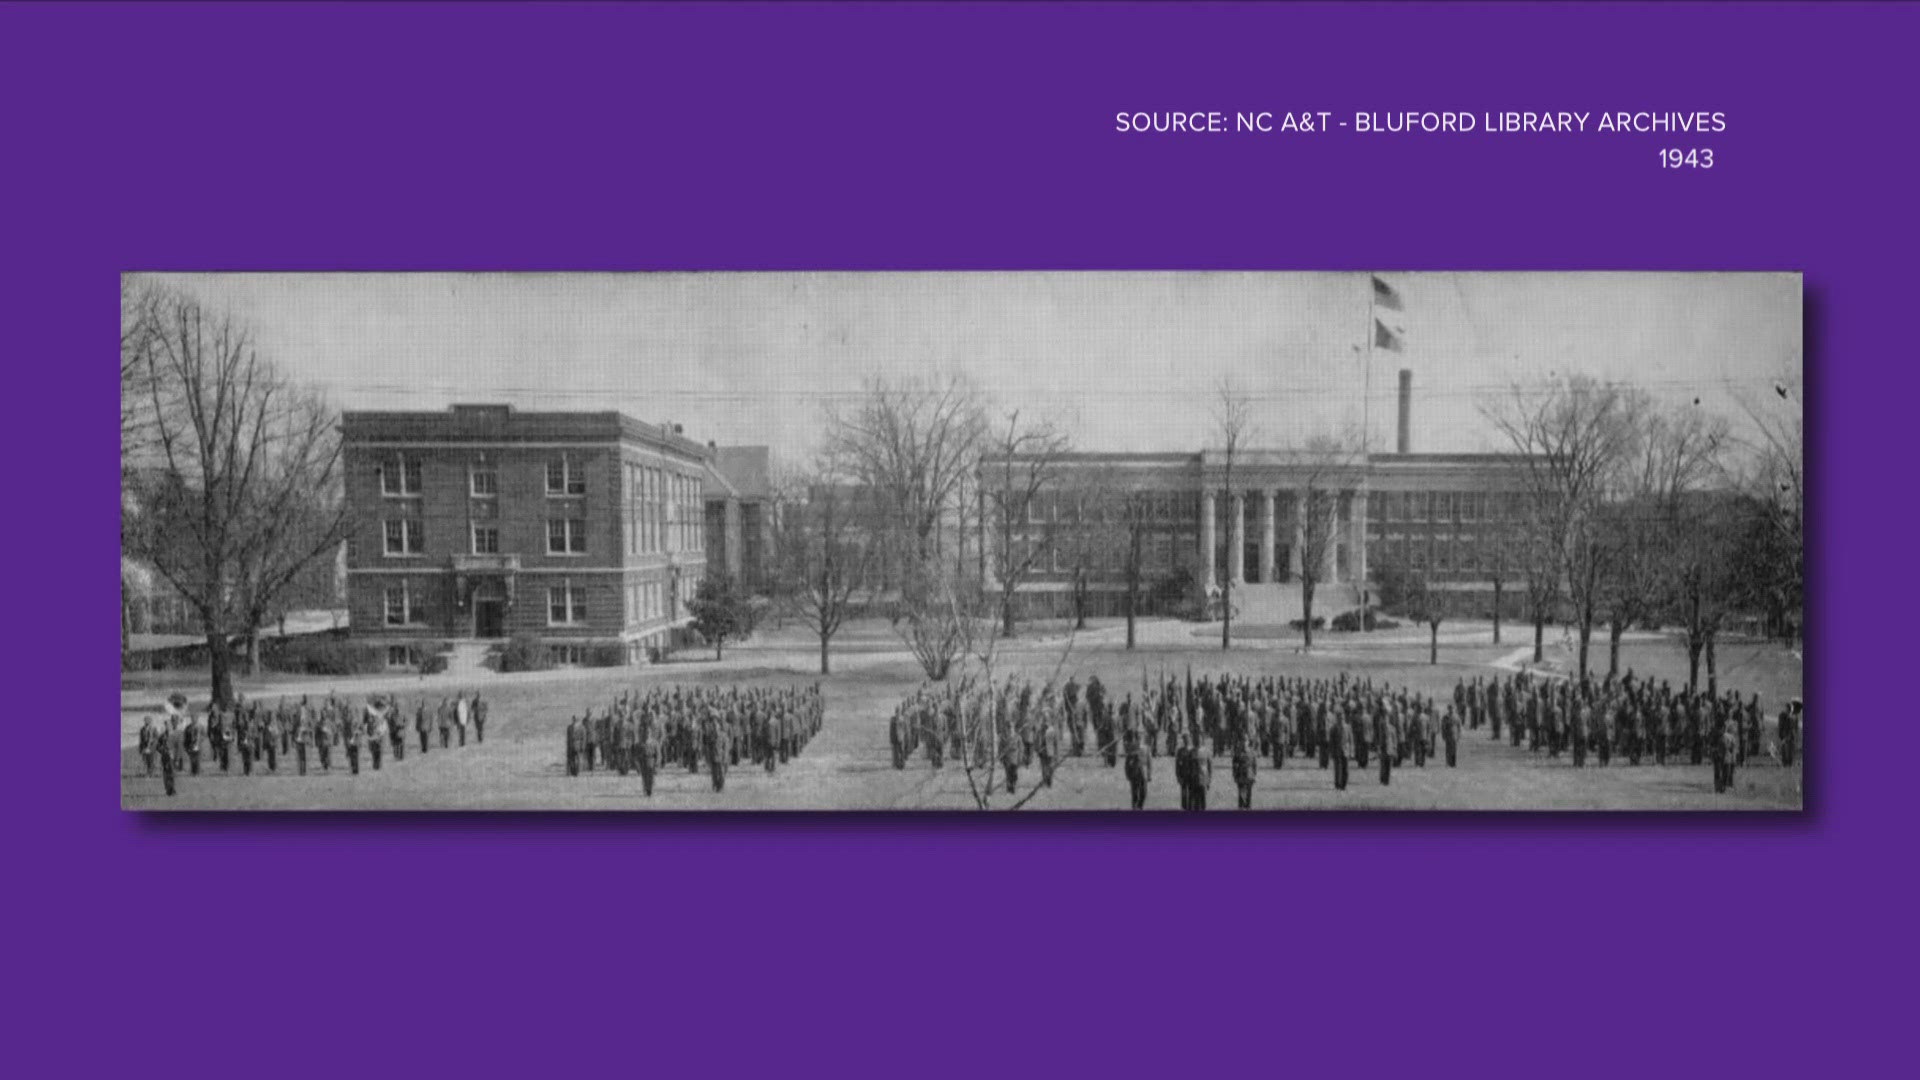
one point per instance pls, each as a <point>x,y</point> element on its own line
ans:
<point>521,765</point>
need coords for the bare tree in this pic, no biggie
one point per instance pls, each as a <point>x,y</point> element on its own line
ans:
<point>1321,466</point>
<point>913,444</point>
<point>1573,434</point>
<point>1774,475</point>
<point>823,549</point>
<point>1233,418</point>
<point>1676,452</point>
<point>941,615</point>
<point>244,494</point>
<point>1020,479</point>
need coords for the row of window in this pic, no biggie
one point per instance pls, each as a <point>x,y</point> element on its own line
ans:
<point>663,510</point>
<point>407,536</point>
<point>405,604</point>
<point>655,492</point>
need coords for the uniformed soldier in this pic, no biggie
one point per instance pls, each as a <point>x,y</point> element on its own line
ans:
<point>169,743</point>
<point>1047,744</point>
<point>443,718</point>
<point>323,738</point>
<point>150,739</point>
<point>191,734</point>
<point>375,722</point>
<point>1788,733</point>
<point>1388,747</point>
<point>1338,739</point>
<point>1726,747</point>
<point>649,754</point>
<point>575,737</point>
<point>353,736</point>
<point>1139,773</point>
<point>270,738</point>
<point>302,739</point>
<point>479,718</point>
<point>1246,765</point>
<point>1450,734</point>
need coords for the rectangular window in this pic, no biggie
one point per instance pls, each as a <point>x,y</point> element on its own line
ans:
<point>486,539</point>
<point>484,481</point>
<point>566,476</point>
<point>565,607</point>
<point>401,476</point>
<point>400,605</point>
<point>404,536</point>
<point>566,536</point>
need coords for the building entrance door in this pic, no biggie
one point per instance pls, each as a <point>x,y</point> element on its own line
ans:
<point>489,618</point>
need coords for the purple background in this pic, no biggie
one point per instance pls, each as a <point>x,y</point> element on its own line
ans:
<point>613,137</point>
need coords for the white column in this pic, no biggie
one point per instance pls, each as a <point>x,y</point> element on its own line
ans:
<point>1299,534</point>
<point>1267,499</point>
<point>1206,538</point>
<point>1357,547</point>
<point>1237,537</point>
<point>1327,564</point>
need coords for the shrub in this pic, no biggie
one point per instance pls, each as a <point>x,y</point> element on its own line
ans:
<point>605,654</point>
<point>525,654</point>
<point>325,656</point>
<point>433,663</point>
<point>1319,623</point>
<point>1381,622</point>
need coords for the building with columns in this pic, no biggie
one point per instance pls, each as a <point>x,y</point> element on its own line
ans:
<point>1452,519</point>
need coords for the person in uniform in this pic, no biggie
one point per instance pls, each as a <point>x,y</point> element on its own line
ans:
<point>461,713</point>
<point>1450,735</point>
<point>270,738</point>
<point>150,738</point>
<point>323,736</point>
<point>574,741</point>
<point>302,739</point>
<point>479,719</point>
<point>1334,747</point>
<point>1726,749</point>
<point>1787,732</point>
<point>649,753</point>
<point>1047,745</point>
<point>1388,747</point>
<point>1139,774</point>
<point>375,721</point>
<point>169,743</point>
<point>1246,765</point>
<point>191,735</point>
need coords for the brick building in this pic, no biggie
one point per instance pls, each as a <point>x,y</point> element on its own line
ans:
<point>741,514</point>
<point>584,530</point>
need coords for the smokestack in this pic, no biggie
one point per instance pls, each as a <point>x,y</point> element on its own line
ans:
<point>1405,444</point>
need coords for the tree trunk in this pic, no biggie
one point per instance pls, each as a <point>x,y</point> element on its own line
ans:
<point>253,651</point>
<point>1496,611</point>
<point>1586,638</point>
<point>1433,643</point>
<point>220,663</point>
<point>1306,609</point>
<point>1539,637</point>
<point>825,667</point>
<point>1693,661</point>
<point>1080,600</point>
<point>1006,613</point>
<point>1614,630</point>
<point>717,643</point>
<point>1226,612</point>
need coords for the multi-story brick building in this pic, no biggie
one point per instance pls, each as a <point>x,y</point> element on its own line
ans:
<point>584,530</point>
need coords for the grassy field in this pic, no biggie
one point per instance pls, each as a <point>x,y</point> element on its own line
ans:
<point>521,765</point>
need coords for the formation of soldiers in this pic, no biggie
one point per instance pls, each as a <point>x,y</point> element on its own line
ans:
<point>701,727</point>
<point>1015,723</point>
<point>1340,722</point>
<point>1637,719</point>
<point>305,730</point>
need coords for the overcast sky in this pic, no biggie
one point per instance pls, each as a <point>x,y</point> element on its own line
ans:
<point>1129,361</point>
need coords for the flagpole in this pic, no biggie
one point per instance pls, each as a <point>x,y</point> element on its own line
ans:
<point>1366,423</point>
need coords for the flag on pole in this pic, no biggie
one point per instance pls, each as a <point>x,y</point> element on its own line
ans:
<point>1385,337</point>
<point>1384,295</point>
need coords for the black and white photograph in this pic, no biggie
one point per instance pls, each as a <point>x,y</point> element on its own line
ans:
<point>962,541</point>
